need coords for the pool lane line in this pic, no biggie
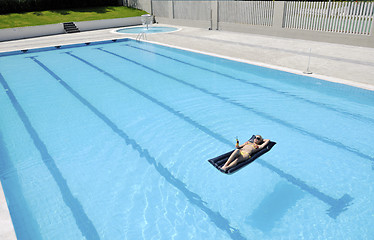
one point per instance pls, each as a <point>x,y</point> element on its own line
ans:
<point>337,205</point>
<point>221,222</point>
<point>244,81</point>
<point>267,116</point>
<point>84,224</point>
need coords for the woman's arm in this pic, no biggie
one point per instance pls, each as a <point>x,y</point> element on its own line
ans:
<point>238,147</point>
<point>266,141</point>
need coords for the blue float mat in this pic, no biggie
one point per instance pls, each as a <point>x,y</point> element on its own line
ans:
<point>219,161</point>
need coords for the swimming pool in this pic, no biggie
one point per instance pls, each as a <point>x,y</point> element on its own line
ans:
<point>110,140</point>
<point>151,29</point>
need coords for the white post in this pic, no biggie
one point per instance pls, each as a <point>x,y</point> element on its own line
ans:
<point>171,9</point>
<point>211,20</point>
<point>372,30</point>
<point>217,14</point>
<point>278,14</point>
<point>151,8</point>
<point>214,10</point>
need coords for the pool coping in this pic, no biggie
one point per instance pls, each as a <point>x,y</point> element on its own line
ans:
<point>256,63</point>
<point>115,31</point>
<point>284,69</point>
<point>7,231</point>
<point>157,38</point>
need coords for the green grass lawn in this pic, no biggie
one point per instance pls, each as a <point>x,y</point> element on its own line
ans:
<point>70,15</point>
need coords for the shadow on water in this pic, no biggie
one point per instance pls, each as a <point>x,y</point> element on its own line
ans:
<point>258,112</point>
<point>83,222</point>
<point>274,206</point>
<point>192,197</point>
<point>337,205</point>
<point>257,85</point>
<point>23,220</point>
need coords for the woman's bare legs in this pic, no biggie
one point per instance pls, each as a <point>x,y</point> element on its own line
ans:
<point>234,159</point>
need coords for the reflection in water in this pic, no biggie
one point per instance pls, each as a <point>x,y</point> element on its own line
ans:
<point>274,206</point>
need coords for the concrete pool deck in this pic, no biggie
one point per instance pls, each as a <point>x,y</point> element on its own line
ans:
<point>347,64</point>
<point>6,226</point>
<point>334,62</point>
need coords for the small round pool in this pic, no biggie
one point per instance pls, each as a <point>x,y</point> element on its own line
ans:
<point>145,30</point>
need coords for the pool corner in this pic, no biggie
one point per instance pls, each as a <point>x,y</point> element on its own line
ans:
<point>6,226</point>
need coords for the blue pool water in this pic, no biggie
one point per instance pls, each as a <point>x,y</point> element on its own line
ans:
<point>111,141</point>
<point>147,30</point>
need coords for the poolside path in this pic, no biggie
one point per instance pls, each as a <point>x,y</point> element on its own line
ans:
<point>335,62</point>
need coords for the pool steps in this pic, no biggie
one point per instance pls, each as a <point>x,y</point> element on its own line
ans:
<point>70,27</point>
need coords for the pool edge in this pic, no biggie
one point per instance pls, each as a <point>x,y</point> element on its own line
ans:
<point>260,64</point>
<point>364,86</point>
<point>117,37</point>
<point>6,225</point>
<point>115,31</point>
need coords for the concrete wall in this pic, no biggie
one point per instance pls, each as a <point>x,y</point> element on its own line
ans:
<point>108,23</point>
<point>276,29</point>
<point>29,32</point>
<point>145,5</point>
<point>53,29</point>
<point>340,38</point>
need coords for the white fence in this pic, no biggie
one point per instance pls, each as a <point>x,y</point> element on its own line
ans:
<point>342,17</point>
<point>246,12</point>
